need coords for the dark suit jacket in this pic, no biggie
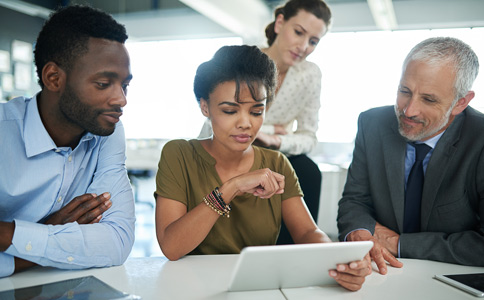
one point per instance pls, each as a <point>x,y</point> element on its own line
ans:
<point>452,215</point>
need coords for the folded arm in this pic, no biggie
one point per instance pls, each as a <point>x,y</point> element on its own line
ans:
<point>301,141</point>
<point>81,241</point>
<point>85,209</point>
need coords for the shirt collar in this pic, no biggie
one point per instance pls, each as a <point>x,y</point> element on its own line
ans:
<point>432,141</point>
<point>37,139</point>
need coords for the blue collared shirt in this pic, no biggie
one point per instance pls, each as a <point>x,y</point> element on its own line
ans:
<point>37,178</point>
<point>410,155</point>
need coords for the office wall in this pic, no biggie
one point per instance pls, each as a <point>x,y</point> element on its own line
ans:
<point>21,27</point>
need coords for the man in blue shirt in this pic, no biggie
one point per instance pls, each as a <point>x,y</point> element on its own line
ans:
<point>415,186</point>
<point>65,198</point>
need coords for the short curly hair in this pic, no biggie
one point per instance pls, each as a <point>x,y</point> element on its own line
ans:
<point>65,35</point>
<point>242,64</point>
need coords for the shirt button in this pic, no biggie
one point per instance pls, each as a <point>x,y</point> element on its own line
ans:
<point>70,258</point>
<point>59,199</point>
<point>57,150</point>
<point>70,158</point>
<point>29,246</point>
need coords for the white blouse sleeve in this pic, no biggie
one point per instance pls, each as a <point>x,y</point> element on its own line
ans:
<point>303,139</point>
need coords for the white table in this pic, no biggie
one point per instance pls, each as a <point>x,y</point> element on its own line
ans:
<point>207,277</point>
<point>412,282</point>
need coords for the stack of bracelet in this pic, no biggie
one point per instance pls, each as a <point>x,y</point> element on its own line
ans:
<point>216,203</point>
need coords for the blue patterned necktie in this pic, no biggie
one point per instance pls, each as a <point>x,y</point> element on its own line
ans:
<point>413,194</point>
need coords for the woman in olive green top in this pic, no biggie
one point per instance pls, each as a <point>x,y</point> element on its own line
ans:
<point>221,194</point>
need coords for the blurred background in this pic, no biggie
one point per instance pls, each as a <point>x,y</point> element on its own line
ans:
<point>360,59</point>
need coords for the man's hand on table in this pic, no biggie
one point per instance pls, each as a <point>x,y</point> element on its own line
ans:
<point>387,238</point>
<point>379,253</point>
<point>84,209</point>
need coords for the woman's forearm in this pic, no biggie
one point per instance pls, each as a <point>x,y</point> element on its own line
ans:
<point>314,236</point>
<point>185,234</point>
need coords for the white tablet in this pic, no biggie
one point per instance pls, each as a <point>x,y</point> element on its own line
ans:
<point>471,283</point>
<point>290,266</point>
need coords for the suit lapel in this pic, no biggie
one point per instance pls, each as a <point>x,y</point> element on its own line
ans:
<point>437,167</point>
<point>394,147</point>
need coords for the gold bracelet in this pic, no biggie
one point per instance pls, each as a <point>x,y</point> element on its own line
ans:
<point>212,207</point>
<point>216,203</point>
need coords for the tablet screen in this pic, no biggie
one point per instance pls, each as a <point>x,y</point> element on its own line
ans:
<point>83,288</point>
<point>475,281</point>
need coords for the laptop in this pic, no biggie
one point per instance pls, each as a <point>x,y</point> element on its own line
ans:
<point>291,266</point>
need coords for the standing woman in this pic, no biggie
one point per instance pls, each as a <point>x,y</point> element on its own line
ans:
<point>298,27</point>
<point>201,183</point>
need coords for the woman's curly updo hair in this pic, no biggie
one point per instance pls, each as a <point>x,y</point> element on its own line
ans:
<point>242,64</point>
<point>316,7</point>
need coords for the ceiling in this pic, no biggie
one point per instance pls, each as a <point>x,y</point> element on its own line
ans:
<point>170,19</point>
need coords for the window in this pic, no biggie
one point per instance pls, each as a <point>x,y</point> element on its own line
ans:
<point>362,70</point>
<point>161,103</point>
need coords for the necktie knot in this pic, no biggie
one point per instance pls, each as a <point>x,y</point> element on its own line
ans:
<point>421,151</point>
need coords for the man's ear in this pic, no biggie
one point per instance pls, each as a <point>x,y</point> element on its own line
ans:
<point>204,107</point>
<point>278,23</point>
<point>53,77</point>
<point>462,103</point>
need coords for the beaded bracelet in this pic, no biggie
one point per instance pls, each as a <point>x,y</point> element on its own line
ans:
<point>218,197</point>
<point>216,203</point>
